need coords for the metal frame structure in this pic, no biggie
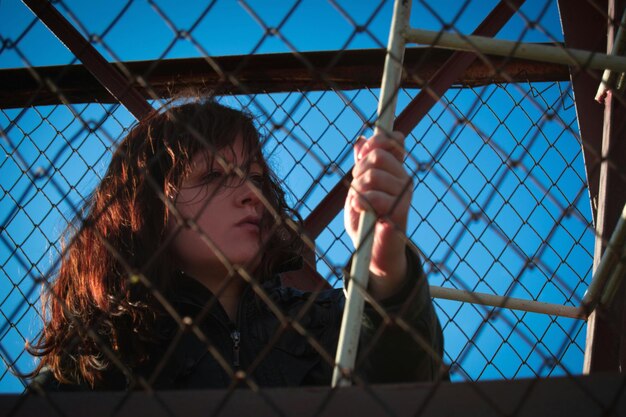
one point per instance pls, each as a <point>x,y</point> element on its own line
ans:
<point>264,73</point>
<point>600,127</point>
<point>601,131</point>
<point>117,85</point>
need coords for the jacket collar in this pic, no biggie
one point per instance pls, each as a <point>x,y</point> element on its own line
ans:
<point>183,288</point>
<point>187,290</point>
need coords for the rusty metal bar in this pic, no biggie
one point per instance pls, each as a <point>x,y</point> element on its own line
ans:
<point>115,83</point>
<point>440,82</point>
<point>605,348</point>
<point>601,131</point>
<point>355,69</point>
<point>328,208</point>
<point>576,14</point>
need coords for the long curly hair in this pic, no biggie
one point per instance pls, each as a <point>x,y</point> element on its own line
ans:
<point>97,313</point>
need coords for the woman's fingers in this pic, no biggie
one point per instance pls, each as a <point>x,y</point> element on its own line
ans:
<point>382,201</point>
<point>358,148</point>
<point>378,158</point>
<point>393,144</point>
<point>380,191</point>
<point>376,201</point>
<point>380,180</point>
<point>381,185</point>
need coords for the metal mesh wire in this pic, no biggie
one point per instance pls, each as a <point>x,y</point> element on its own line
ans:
<point>500,200</point>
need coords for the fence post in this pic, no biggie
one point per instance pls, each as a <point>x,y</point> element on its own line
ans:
<point>359,274</point>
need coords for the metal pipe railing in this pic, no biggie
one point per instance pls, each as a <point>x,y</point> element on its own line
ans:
<point>359,274</point>
<point>507,302</point>
<point>490,46</point>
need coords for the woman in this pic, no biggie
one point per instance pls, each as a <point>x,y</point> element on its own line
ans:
<point>170,277</point>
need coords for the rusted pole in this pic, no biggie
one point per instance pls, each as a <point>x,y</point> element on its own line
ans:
<point>263,73</point>
<point>601,130</point>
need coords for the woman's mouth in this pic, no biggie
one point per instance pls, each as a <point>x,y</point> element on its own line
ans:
<point>251,223</point>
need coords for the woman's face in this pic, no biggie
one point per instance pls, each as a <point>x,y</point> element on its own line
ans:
<point>227,211</point>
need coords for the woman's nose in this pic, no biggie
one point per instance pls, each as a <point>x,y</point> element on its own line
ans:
<point>248,194</point>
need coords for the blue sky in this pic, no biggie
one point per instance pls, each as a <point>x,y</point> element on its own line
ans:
<point>480,219</point>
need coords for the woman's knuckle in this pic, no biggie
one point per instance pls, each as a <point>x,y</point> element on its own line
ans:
<point>370,178</point>
<point>378,156</point>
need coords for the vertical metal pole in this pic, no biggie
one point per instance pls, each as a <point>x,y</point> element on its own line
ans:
<point>605,348</point>
<point>359,275</point>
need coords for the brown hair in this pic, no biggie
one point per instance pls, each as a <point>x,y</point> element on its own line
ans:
<point>95,312</point>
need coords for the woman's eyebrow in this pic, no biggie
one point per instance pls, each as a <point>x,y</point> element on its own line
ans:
<point>256,167</point>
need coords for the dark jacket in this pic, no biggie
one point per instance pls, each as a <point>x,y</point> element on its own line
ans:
<point>271,353</point>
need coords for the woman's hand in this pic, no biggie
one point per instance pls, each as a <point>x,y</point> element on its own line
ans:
<point>381,184</point>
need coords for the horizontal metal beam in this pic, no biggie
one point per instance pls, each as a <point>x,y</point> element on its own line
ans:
<point>354,69</point>
<point>507,302</point>
<point>537,52</point>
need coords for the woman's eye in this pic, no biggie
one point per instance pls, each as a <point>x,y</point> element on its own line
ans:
<point>211,177</point>
<point>257,180</point>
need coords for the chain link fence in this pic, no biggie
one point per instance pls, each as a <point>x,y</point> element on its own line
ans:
<point>500,206</point>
